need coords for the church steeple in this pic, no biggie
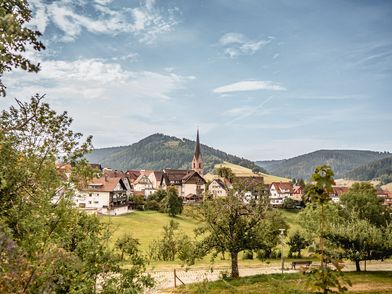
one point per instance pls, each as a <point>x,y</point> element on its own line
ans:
<point>197,161</point>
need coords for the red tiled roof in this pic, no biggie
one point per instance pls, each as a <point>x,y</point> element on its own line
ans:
<point>282,187</point>
<point>339,190</point>
<point>102,184</point>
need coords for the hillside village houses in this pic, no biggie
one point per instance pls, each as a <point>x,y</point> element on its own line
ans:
<point>111,192</point>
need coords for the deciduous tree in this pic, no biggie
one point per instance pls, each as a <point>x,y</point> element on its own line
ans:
<point>16,38</point>
<point>233,225</point>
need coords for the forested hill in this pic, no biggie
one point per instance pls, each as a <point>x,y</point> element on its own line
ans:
<point>380,169</point>
<point>159,151</point>
<point>341,161</point>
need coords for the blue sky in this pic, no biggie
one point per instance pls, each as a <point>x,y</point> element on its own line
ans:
<point>261,79</point>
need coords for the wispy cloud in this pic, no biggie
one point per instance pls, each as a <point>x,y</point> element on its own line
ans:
<point>249,86</point>
<point>236,44</point>
<point>146,22</point>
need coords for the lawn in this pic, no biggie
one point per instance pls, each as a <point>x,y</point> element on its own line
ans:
<point>147,226</point>
<point>364,282</point>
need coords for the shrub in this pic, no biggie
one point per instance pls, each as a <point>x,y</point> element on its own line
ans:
<point>247,254</point>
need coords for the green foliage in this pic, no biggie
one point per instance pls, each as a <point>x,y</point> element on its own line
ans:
<point>232,225</point>
<point>172,204</point>
<point>323,278</point>
<point>138,201</point>
<point>378,169</point>
<point>152,205</point>
<point>225,172</point>
<point>50,248</point>
<point>173,244</point>
<point>157,195</point>
<point>159,151</point>
<point>326,280</point>
<point>290,203</point>
<point>361,229</point>
<point>341,161</point>
<point>362,199</point>
<point>16,38</point>
<point>297,242</point>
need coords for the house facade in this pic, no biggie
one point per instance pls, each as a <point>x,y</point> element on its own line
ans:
<point>105,195</point>
<point>188,183</point>
<point>279,191</point>
<point>337,192</point>
<point>217,188</point>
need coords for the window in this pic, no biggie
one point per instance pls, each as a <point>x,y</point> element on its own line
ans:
<point>89,202</point>
<point>96,202</point>
<point>90,194</point>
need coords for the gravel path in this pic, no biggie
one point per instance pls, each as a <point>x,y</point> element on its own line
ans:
<point>165,279</point>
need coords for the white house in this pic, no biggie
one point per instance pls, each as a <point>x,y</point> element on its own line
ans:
<point>279,191</point>
<point>106,195</point>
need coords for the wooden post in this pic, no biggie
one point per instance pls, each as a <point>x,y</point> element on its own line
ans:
<point>175,279</point>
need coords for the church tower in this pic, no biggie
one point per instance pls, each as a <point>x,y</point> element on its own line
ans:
<point>197,161</point>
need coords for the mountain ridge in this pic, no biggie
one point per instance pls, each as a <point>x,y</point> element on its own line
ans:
<point>341,161</point>
<point>159,151</point>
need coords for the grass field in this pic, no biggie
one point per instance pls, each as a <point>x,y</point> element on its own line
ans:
<point>147,226</point>
<point>364,282</point>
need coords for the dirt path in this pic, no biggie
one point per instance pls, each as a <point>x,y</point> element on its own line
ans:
<point>165,279</point>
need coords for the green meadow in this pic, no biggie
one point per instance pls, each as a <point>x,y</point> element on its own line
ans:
<point>147,226</point>
<point>363,282</point>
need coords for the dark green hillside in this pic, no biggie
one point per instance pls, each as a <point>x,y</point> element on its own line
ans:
<point>379,169</point>
<point>159,151</point>
<point>342,162</point>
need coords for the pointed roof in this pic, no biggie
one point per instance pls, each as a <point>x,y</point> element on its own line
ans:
<point>197,148</point>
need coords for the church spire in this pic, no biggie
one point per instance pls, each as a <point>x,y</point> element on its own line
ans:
<point>197,149</point>
<point>197,161</point>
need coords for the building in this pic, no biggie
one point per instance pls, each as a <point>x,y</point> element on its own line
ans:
<point>279,191</point>
<point>106,195</point>
<point>188,183</point>
<point>218,188</point>
<point>143,184</point>
<point>337,192</point>
<point>155,178</point>
<point>298,193</point>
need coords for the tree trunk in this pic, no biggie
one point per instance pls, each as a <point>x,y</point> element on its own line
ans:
<point>357,266</point>
<point>234,265</point>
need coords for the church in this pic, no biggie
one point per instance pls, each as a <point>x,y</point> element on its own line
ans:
<point>190,184</point>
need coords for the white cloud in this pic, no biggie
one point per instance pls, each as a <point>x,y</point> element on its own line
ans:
<point>249,86</point>
<point>146,22</point>
<point>94,79</point>
<point>131,57</point>
<point>237,44</point>
<point>232,38</point>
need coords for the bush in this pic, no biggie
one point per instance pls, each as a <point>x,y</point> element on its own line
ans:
<point>247,254</point>
<point>152,205</point>
<point>276,254</point>
<point>138,201</point>
<point>261,254</point>
<point>289,203</point>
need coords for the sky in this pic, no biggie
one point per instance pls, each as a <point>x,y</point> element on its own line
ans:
<point>260,79</point>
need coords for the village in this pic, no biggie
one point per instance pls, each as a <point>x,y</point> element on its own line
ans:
<point>112,192</point>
